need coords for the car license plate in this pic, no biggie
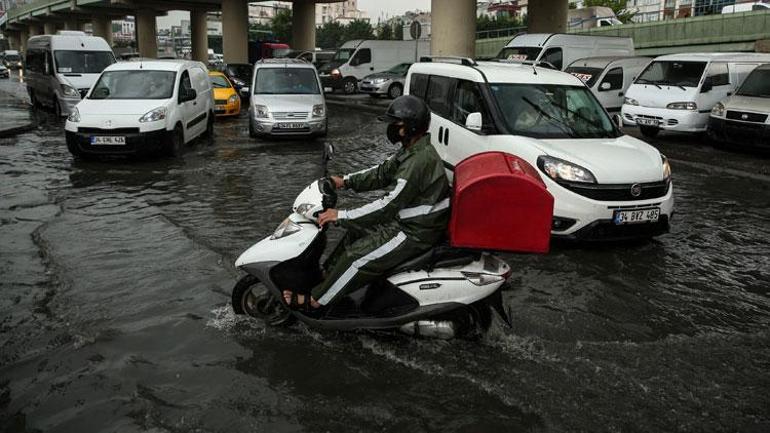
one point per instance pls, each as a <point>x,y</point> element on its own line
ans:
<point>646,122</point>
<point>290,126</point>
<point>636,216</point>
<point>110,140</point>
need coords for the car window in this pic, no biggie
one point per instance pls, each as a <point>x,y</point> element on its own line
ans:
<point>418,85</point>
<point>361,57</point>
<point>615,78</point>
<point>554,57</point>
<point>718,74</point>
<point>184,83</point>
<point>439,92</point>
<point>467,99</point>
<point>219,81</point>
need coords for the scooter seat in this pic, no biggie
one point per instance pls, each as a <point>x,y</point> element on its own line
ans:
<point>442,256</point>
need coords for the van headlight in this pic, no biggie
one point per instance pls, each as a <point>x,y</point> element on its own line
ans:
<point>682,106</point>
<point>630,101</point>
<point>335,73</point>
<point>287,227</point>
<point>261,112</point>
<point>232,99</point>
<point>68,90</point>
<point>318,110</point>
<point>666,168</point>
<point>560,170</point>
<point>718,110</point>
<point>74,117</point>
<point>154,115</point>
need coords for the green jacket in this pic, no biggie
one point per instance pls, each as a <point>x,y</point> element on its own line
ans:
<point>418,199</point>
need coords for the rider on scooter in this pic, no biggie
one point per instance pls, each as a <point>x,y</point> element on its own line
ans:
<point>409,220</point>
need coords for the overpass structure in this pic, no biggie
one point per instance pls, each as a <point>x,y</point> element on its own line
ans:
<point>745,31</point>
<point>453,22</point>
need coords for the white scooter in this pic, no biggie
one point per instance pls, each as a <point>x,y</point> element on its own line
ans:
<point>442,293</point>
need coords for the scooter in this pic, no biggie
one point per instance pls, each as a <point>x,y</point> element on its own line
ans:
<point>443,293</point>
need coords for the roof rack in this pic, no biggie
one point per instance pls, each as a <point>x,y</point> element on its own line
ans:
<point>465,61</point>
<point>284,60</point>
<point>542,63</point>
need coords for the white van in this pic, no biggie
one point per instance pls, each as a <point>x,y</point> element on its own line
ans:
<point>744,118</point>
<point>746,7</point>
<point>608,77</point>
<point>61,68</point>
<point>560,49</point>
<point>606,185</point>
<point>359,58</point>
<point>676,92</point>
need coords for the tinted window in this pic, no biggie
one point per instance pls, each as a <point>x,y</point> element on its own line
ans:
<point>467,100</point>
<point>439,91</point>
<point>718,74</point>
<point>554,57</point>
<point>363,56</point>
<point>36,61</point>
<point>757,84</point>
<point>418,85</point>
<point>615,78</point>
<point>140,84</point>
<point>286,81</point>
<point>184,84</point>
<point>82,62</point>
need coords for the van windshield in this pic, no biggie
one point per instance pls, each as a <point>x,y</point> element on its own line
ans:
<point>343,54</point>
<point>672,73</point>
<point>519,53</point>
<point>12,57</point>
<point>138,84</point>
<point>286,81</point>
<point>82,62</point>
<point>586,75</point>
<point>757,84</point>
<point>552,111</point>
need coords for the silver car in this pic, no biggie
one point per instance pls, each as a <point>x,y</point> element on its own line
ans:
<point>286,100</point>
<point>390,82</point>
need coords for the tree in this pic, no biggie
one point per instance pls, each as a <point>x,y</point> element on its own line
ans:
<point>359,29</point>
<point>385,31</point>
<point>399,36</point>
<point>617,6</point>
<point>282,25</point>
<point>330,35</point>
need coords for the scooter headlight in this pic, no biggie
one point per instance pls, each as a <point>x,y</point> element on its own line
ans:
<point>480,279</point>
<point>287,228</point>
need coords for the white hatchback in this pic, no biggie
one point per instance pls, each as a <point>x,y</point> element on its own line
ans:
<point>606,185</point>
<point>141,107</point>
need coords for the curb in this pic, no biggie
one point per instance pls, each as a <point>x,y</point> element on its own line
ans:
<point>16,130</point>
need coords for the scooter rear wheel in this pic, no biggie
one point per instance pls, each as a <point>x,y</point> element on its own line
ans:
<point>250,296</point>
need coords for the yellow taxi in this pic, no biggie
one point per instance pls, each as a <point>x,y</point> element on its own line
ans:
<point>226,99</point>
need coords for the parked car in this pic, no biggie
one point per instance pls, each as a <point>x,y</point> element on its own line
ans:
<point>390,82</point>
<point>286,99</point>
<point>559,50</point>
<point>226,99</point>
<point>143,107</point>
<point>744,118</point>
<point>62,67</point>
<point>606,185</point>
<point>12,59</point>
<point>317,57</point>
<point>608,77</point>
<point>4,72</point>
<point>239,75</point>
<point>359,58</point>
<point>676,92</point>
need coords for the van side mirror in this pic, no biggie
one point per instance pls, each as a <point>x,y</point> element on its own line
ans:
<point>473,122</point>
<point>188,95</point>
<point>707,85</point>
<point>618,120</point>
<point>605,85</point>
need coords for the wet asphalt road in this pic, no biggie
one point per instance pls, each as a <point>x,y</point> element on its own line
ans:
<point>115,317</point>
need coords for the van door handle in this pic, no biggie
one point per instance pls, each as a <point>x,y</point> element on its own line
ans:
<point>729,93</point>
<point>440,134</point>
<point>371,68</point>
<point>620,93</point>
<point>446,137</point>
<point>195,102</point>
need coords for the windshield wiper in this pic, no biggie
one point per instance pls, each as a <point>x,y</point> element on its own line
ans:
<point>548,116</point>
<point>596,125</point>
<point>644,81</point>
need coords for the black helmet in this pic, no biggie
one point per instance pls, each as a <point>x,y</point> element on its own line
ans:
<point>412,111</point>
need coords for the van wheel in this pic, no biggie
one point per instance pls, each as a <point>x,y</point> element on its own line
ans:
<point>349,85</point>
<point>649,131</point>
<point>174,146</point>
<point>395,91</point>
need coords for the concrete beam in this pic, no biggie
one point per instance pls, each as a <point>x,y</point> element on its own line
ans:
<point>102,27</point>
<point>146,33</point>
<point>547,16</point>
<point>235,31</point>
<point>453,28</point>
<point>199,36</point>
<point>303,25</point>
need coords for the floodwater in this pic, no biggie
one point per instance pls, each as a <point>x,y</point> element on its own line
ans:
<point>116,277</point>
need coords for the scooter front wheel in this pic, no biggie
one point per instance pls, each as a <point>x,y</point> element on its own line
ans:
<point>250,296</point>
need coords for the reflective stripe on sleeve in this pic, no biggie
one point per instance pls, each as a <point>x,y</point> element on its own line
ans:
<point>377,204</point>
<point>423,209</point>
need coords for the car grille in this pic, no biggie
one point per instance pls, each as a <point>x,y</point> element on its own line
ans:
<point>290,115</point>
<point>749,117</point>
<point>619,192</point>
<point>108,131</point>
<point>220,101</point>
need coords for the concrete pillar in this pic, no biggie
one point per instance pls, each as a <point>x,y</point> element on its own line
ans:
<point>235,31</point>
<point>303,25</point>
<point>75,25</point>
<point>14,41</point>
<point>547,16</point>
<point>49,28</point>
<point>23,36</point>
<point>102,27</point>
<point>146,33</point>
<point>35,29</point>
<point>453,28</point>
<point>199,35</point>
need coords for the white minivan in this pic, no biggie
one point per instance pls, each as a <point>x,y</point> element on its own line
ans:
<point>60,68</point>
<point>359,58</point>
<point>560,49</point>
<point>608,77</point>
<point>142,107</point>
<point>676,92</point>
<point>606,185</point>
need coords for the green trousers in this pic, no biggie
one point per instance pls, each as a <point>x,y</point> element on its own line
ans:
<point>364,254</point>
